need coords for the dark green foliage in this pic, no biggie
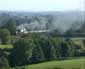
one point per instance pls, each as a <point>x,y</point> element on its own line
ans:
<point>22,51</point>
<point>68,49</point>
<point>33,49</point>
<point>72,49</point>
<point>38,48</point>
<point>55,42</point>
<point>49,49</point>
<point>4,64</point>
<point>37,52</point>
<point>84,42</point>
<point>37,55</point>
<point>4,36</point>
<point>11,26</point>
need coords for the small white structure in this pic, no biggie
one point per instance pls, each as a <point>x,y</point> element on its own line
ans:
<point>22,30</point>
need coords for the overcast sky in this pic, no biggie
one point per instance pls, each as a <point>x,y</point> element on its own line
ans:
<point>41,5</point>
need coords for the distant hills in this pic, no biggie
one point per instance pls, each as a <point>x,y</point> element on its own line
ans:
<point>62,21</point>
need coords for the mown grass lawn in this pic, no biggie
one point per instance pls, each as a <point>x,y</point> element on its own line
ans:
<point>64,64</point>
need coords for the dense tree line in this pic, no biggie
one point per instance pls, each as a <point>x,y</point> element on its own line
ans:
<point>4,36</point>
<point>39,48</point>
<point>7,32</point>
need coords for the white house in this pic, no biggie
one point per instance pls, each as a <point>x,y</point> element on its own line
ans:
<point>30,28</point>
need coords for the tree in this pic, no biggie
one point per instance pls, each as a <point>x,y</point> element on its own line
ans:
<point>55,43</point>
<point>69,47</point>
<point>22,52</point>
<point>4,64</point>
<point>37,53</point>
<point>11,26</point>
<point>47,48</point>
<point>4,36</point>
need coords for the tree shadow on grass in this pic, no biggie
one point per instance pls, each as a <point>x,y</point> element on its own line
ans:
<point>62,68</point>
<point>56,68</point>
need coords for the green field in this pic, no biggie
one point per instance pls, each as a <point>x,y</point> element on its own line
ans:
<point>6,46</point>
<point>78,41</point>
<point>64,64</point>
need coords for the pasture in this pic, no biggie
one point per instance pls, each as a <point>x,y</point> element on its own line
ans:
<point>62,64</point>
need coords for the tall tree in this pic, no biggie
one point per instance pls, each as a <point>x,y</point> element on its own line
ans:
<point>22,52</point>
<point>4,36</point>
<point>4,64</point>
<point>11,26</point>
<point>37,53</point>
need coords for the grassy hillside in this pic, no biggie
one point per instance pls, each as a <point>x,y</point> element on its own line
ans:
<point>64,64</point>
<point>79,42</point>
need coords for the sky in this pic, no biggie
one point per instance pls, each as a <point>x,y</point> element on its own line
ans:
<point>41,5</point>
